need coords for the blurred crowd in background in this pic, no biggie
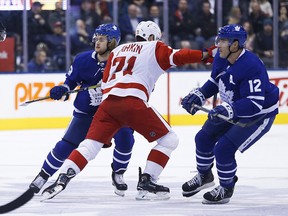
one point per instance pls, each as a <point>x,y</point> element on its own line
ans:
<point>192,24</point>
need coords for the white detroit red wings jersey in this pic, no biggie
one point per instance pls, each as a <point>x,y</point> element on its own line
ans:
<point>133,69</point>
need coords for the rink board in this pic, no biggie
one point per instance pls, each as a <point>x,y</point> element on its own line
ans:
<point>168,92</point>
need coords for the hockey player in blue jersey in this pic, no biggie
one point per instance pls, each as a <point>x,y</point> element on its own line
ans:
<point>87,70</point>
<point>247,96</point>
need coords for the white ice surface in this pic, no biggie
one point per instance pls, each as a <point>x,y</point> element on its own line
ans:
<point>262,189</point>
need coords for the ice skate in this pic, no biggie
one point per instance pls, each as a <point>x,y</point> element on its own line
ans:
<point>59,185</point>
<point>219,195</point>
<point>148,190</point>
<point>39,182</point>
<point>119,185</point>
<point>197,183</point>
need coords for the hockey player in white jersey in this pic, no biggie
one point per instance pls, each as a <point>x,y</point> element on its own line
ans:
<point>87,70</point>
<point>128,80</point>
<point>247,97</point>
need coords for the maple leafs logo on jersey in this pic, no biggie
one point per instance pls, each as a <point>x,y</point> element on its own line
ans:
<point>237,28</point>
<point>70,70</point>
<point>95,96</point>
<point>226,96</point>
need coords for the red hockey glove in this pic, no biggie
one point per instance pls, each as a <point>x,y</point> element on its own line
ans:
<point>210,54</point>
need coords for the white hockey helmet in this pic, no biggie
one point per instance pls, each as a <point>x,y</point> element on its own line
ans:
<point>146,28</point>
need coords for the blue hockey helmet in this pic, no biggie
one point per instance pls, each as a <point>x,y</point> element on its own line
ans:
<point>232,32</point>
<point>110,30</point>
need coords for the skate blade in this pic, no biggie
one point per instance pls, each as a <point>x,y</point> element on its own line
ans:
<point>46,195</point>
<point>146,195</point>
<point>215,202</point>
<point>119,192</point>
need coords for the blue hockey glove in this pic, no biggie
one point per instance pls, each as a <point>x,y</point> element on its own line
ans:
<point>194,97</point>
<point>57,92</point>
<point>224,109</point>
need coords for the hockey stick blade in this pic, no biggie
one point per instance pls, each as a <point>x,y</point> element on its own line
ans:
<point>69,92</point>
<point>18,202</point>
<point>32,101</point>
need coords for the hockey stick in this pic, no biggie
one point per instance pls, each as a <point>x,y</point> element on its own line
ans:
<point>214,101</point>
<point>69,92</point>
<point>18,202</point>
<point>225,118</point>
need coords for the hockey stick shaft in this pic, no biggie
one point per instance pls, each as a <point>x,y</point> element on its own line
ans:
<point>225,118</point>
<point>214,101</point>
<point>240,124</point>
<point>69,92</point>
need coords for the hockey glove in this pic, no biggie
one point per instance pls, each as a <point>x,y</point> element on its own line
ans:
<point>211,52</point>
<point>224,109</point>
<point>57,92</point>
<point>194,97</point>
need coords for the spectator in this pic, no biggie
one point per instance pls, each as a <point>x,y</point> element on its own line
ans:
<point>181,23</point>
<point>155,15</point>
<point>38,26</point>
<point>19,61</point>
<point>143,9</point>
<point>56,43</point>
<point>37,64</point>
<point>58,15</point>
<point>256,16</point>
<point>49,63</point>
<point>283,16</point>
<point>266,7</point>
<point>206,27</point>
<point>104,9</point>
<point>250,35</point>
<point>283,2</point>
<point>128,22</point>
<point>12,21</point>
<point>235,16</point>
<point>263,45</point>
<point>283,44</point>
<point>2,32</point>
<point>89,16</point>
<point>80,40</point>
<point>229,4</point>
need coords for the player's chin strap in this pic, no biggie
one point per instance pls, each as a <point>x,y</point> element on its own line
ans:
<point>230,52</point>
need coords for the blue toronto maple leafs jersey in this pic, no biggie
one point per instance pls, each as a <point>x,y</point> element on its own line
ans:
<point>86,71</point>
<point>245,85</point>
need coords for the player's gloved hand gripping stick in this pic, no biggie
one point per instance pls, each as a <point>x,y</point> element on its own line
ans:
<point>225,118</point>
<point>65,94</point>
